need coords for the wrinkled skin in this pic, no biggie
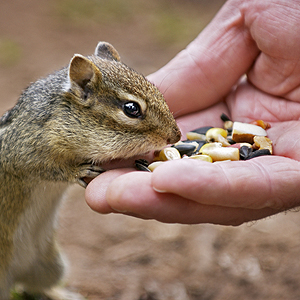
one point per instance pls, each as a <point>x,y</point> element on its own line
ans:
<point>261,39</point>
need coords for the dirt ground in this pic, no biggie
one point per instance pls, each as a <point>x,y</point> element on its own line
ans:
<point>114,257</point>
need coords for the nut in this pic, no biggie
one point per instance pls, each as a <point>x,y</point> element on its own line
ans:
<point>169,153</point>
<point>244,132</point>
<point>201,157</point>
<point>198,133</point>
<point>228,125</point>
<point>217,135</point>
<point>262,142</point>
<point>262,124</point>
<point>154,165</point>
<point>217,152</point>
<point>195,136</point>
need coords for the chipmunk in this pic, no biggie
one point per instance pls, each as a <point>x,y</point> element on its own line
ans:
<point>61,130</point>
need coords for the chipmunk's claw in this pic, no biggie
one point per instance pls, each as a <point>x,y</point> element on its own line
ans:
<point>88,172</point>
<point>82,183</point>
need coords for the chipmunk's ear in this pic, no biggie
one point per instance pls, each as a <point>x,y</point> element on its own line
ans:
<point>82,71</point>
<point>107,51</point>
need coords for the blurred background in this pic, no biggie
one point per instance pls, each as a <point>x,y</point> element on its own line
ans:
<point>37,37</point>
<point>116,257</point>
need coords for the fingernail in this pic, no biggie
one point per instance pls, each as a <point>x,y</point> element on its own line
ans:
<point>159,191</point>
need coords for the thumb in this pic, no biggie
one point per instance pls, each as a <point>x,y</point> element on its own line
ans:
<point>207,69</point>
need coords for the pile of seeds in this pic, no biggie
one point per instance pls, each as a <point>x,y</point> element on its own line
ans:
<point>235,141</point>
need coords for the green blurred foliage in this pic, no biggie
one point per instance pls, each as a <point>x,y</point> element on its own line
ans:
<point>87,11</point>
<point>166,21</point>
<point>10,52</point>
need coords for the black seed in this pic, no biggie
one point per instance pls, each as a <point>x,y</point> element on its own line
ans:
<point>141,167</point>
<point>202,130</point>
<point>231,141</point>
<point>193,141</point>
<point>186,148</point>
<point>200,143</point>
<point>245,151</point>
<point>229,130</point>
<point>142,162</point>
<point>224,117</point>
<point>259,153</point>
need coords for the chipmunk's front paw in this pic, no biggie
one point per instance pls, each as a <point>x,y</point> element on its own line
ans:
<point>87,172</point>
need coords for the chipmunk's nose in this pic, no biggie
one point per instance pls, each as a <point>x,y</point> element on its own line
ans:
<point>175,136</point>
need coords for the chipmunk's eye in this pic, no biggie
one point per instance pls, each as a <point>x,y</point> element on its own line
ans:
<point>132,109</point>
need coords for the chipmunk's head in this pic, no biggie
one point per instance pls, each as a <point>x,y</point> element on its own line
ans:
<point>120,113</point>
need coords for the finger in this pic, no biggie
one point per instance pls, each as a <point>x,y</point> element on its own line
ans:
<point>207,69</point>
<point>95,193</point>
<point>247,103</point>
<point>264,182</point>
<point>133,194</point>
<point>277,69</point>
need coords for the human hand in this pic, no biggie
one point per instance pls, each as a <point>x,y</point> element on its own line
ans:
<point>259,38</point>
